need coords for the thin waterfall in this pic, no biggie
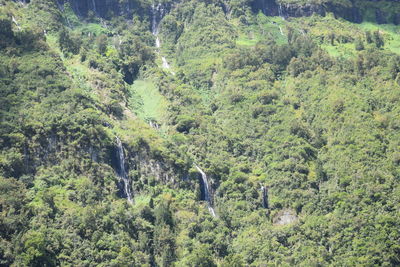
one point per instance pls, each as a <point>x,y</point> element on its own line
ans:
<point>157,13</point>
<point>154,24</point>
<point>281,12</point>
<point>15,22</point>
<point>94,6</point>
<point>26,157</point>
<point>122,171</point>
<point>158,43</point>
<point>165,63</point>
<point>206,188</point>
<point>264,192</point>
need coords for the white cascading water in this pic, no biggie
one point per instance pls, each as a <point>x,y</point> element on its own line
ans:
<point>206,190</point>
<point>154,24</point>
<point>165,63</point>
<point>281,12</point>
<point>122,172</point>
<point>94,6</point>
<point>264,197</point>
<point>15,22</point>
<point>158,11</point>
<point>158,43</point>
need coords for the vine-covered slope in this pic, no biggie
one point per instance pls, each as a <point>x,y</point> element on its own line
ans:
<point>199,133</point>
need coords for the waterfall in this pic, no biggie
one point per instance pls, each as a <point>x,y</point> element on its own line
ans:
<point>264,192</point>
<point>26,159</point>
<point>157,13</point>
<point>94,6</point>
<point>165,63</point>
<point>154,24</point>
<point>281,12</point>
<point>122,172</point>
<point>158,43</point>
<point>206,187</point>
<point>15,22</point>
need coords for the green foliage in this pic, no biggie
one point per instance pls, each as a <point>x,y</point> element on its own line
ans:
<point>378,39</point>
<point>359,45</point>
<point>201,256</point>
<point>306,108</point>
<point>68,43</point>
<point>101,43</point>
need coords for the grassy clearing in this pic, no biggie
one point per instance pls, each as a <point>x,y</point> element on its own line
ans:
<point>341,50</point>
<point>321,29</point>
<point>391,34</point>
<point>141,200</point>
<point>93,28</point>
<point>146,101</point>
<point>265,27</point>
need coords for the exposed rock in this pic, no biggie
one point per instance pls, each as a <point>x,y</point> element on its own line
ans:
<point>268,7</point>
<point>146,165</point>
<point>104,8</point>
<point>272,8</point>
<point>352,13</point>
<point>285,217</point>
<point>294,10</point>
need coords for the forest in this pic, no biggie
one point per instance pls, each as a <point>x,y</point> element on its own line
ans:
<point>222,133</point>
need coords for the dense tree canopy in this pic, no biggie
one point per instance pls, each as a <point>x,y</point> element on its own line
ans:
<point>286,124</point>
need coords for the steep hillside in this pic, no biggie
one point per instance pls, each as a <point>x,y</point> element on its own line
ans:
<point>199,133</point>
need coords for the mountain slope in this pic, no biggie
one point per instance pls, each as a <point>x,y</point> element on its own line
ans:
<point>279,116</point>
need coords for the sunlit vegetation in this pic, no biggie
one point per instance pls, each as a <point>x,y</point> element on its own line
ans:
<point>295,121</point>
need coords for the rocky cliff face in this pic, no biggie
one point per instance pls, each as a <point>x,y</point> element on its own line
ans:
<point>351,12</point>
<point>145,168</point>
<point>109,8</point>
<point>104,8</point>
<point>286,10</point>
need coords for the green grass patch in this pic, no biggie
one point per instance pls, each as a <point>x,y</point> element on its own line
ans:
<point>265,28</point>
<point>141,200</point>
<point>341,50</point>
<point>391,34</point>
<point>94,28</point>
<point>146,101</point>
<point>345,33</point>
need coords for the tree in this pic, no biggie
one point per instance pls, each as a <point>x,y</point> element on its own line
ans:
<point>101,43</point>
<point>368,37</point>
<point>378,39</point>
<point>6,33</point>
<point>331,38</point>
<point>201,256</point>
<point>359,45</point>
<point>69,43</point>
<point>394,66</point>
<point>233,261</point>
